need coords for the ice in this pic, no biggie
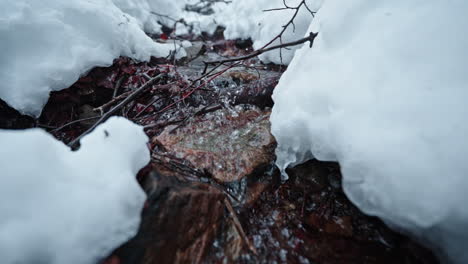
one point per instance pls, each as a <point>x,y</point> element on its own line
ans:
<point>383,92</point>
<point>46,45</point>
<point>58,206</point>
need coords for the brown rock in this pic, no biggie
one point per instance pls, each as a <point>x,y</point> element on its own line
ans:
<point>254,191</point>
<point>340,226</point>
<point>179,224</point>
<point>228,145</point>
<point>337,225</point>
<point>312,172</point>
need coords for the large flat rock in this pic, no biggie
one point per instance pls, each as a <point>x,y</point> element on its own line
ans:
<point>228,144</point>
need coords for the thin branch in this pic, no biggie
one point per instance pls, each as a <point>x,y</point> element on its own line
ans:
<point>117,86</point>
<point>147,106</point>
<point>310,38</point>
<point>297,8</point>
<point>103,108</point>
<point>276,9</point>
<point>116,108</point>
<point>238,226</point>
<point>74,122</point>
<point>279,37</point>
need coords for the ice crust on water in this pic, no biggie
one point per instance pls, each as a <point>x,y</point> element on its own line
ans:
<point>384,92</point>
<point>58,206</point>
<point>46,45</point>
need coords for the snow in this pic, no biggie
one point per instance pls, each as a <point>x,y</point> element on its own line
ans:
<point>46,45</point>
<point>383,92</point>
<point>59,206</point>
<point>150,14</point>
<point>246,19</point>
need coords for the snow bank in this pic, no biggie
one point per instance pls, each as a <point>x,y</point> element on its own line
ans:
<point>149,13</point>
<point>384,92</point>
<point>59,206</point>
<point>46,45</point>
<point>246,19</point>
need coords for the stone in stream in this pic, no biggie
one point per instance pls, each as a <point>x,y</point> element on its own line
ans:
<point>179,223</point>
<point>227,144</point>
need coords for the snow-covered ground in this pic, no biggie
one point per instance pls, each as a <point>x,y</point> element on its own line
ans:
<point>58,206</point>
<point>384,92</point>
<point>46,45</point>
<point>247,19</point>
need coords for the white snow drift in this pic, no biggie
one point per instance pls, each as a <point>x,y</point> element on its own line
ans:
<point>247,19</point>
<point>46,45</point>
<point>58,206</point>
<point>384,92</point>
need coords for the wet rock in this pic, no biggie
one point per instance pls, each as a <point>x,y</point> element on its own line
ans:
<point>254,190</point>
<point>338,225</point>
<point>257,92</point>
<point>313,173</point>
<point>307,220</point>
<point>179,223</point>
<point>243,76</point>
<point>227,144</point>
<point>12,119</point>
<point>232,244</point>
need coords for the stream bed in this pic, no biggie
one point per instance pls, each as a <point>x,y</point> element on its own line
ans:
<point>214,193</point>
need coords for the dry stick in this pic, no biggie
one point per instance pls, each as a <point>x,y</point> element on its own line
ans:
<point>279,36</point>
<point>74,122</point>
<point>238,226</point>
<point>163,124</point>
<point>116,108</point>
<point>310,38</point>
<point>291,21</point>
<point>101,109</point>
<point>205,74</point>
<point>117,86</point>
<point>45,126</point>
<point>147,106</point>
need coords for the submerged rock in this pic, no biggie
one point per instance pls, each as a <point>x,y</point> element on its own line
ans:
<point>227,144</point>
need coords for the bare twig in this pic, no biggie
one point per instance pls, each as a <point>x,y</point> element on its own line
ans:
<point>204,7</point>
<point>74,122</point>
<point>279,37</point>
<point>147,106</point>
<point>310,38</point>
<point>116,108</point>
<point>290,22</point>
<point>238,226</point>
<point>176,21</point>
<point>117,86</point>
<point>103,108</point>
